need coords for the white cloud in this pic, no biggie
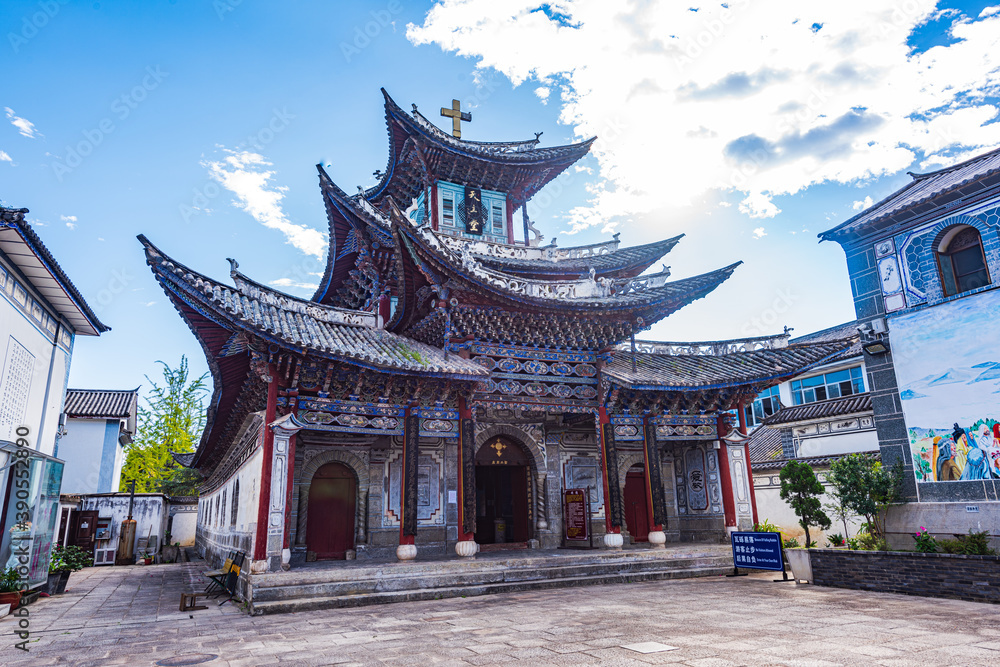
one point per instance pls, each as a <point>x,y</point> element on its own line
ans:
<point>863,204</point>
<point>70,221</point>
<point>23,125</point>
<point>758,205</point>
<point>542,92</point>
<point>288,282</point>
<point>243,173</point>
<point>4,157</point>
<point>759,233</point>
<point>678,116</point>
<point>149,303</point>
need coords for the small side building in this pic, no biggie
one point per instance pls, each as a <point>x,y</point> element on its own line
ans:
<point>816,418</point>
<point>99,425</point>
<point>41,314</point>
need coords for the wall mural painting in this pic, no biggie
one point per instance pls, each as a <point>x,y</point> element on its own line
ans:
<point>947,362</point>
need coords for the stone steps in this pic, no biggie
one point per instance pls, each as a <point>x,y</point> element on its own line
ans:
<point>354,586</point>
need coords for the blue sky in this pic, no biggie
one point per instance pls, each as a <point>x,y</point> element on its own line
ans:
<point>200,124</point>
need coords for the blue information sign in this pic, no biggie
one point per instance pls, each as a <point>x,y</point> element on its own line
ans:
<point>759,551</point>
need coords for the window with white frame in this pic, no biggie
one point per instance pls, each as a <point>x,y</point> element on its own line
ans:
<point>765,405</point>
<point>448,209</point>
<point>498,217</point>
<point>844,382</point>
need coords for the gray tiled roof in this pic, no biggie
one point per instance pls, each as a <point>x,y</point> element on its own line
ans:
<point>956,181</point>
<point>610,261</point>
<point>111,404</point>
<point>765,445</point>
<point>20,242</point>
<point>183,459</point>
<point>682,371</point>
<point>834,407</point>
<point>299,324</point>
<point>845,331</point>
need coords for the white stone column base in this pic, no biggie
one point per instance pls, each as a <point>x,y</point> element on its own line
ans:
<point>286,559</point>
<point>658,539</point>
<point>613,540</point>
<point>406,552</point>
<point>466,548</point>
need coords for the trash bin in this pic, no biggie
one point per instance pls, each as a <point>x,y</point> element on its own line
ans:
<point>499,531</point>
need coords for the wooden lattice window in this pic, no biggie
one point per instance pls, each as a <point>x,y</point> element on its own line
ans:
<point>961,260</point>
<point>236,503</point>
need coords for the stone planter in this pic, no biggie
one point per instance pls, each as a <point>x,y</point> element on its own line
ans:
<point>56,584</point>
<point>801,563</point>
<point>912,573</point>
<point>169,553</point>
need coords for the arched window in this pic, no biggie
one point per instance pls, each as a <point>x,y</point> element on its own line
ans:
<point>236,503</point>
<point>961,260</point>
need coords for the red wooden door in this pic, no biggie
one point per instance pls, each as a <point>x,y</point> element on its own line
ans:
<point>330,524</point>
<point>636,508</point>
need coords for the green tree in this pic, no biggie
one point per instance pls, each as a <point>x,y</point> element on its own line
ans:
<point>171,420</point>
<point>868,488</point>
<point>838,509</point>
<point>801,490</point>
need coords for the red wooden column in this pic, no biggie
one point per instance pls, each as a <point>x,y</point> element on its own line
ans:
<point>612,492</point>
<point>655,503</point>
<point>267,447</point>
<point>407,549</point>
<point>746,453</point>
<point>466,544</point>
<point>725,477</point>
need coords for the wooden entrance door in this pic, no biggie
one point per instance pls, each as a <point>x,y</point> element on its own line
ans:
<point>330,524</point>
<point>636,508</point>
<point>502,493</point>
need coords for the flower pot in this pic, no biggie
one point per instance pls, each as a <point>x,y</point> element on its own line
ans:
<point>52,585</point>
<point>169,554</point>
<point>13,598</point>
<point>800,562</point>
<point>61,586</point>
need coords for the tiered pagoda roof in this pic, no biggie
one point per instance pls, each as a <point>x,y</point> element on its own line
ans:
<point>495,306</point>
<point>724,373</point>
<point>231,323</point>
<point>419,151</point>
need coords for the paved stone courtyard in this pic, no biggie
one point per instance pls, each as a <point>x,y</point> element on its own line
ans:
<point>129,616</point>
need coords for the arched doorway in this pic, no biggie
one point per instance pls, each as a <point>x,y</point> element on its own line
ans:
<point>502,489</point>
<point>636,507</point>
<point>330,526</point>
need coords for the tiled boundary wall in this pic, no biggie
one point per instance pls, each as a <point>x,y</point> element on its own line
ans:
<point>974,578</point>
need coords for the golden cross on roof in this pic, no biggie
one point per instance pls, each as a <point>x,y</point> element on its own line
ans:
<point>457,116</point>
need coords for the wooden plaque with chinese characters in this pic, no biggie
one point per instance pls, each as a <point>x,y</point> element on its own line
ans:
<point>474,218</point>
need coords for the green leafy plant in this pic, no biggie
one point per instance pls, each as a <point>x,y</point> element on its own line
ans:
<point>790,543</point>
<point>835,540</point>
<point>869,542</point>
<point>973,544</point>
<point>170,420</point>
<point>10,581</point>
<point>801,490</point>
<point>766,527</point>
<point>925,542</point>
<point>868,488</point>
<point>69,559</point>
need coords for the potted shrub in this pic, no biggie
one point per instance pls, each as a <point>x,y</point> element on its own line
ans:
<point>11,588</point>
<point>65,561</point>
